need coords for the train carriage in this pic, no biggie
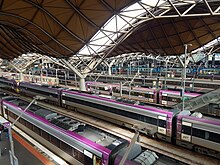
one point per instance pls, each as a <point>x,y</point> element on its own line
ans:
<point>155,122</point>
<point>51,93</point>
<point>170,97</point>
<point>10,84</point>
<point>72,146</point>
<point>201,134</point>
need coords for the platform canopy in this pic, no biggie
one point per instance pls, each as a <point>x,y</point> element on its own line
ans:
<point>66,28</point>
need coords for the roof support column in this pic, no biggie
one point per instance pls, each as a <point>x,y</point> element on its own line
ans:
<point>109,70</point>
<point>186,61</point>
<point>21,76</point>
<point>109,66</point>
<point>82,84</point>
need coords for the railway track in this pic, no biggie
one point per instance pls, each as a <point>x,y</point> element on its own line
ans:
<point>169,150</point>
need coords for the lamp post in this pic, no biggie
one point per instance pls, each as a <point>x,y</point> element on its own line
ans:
<point>13,158</point>
<point>184,74</point>
<point>165,79</point>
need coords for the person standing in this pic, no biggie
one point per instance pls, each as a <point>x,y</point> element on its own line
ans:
<point>212,77</point>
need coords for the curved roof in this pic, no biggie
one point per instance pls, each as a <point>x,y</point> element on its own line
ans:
<point>166,35</point>
<point>62,28</point>
<point>56,28</point>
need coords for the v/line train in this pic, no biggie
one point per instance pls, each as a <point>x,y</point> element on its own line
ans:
<point>172,125</point>
<point>74,141</point>
<point>143,95</point>
<point>172,83</point>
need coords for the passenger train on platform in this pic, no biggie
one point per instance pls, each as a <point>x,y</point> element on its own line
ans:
<point>200,133</point>
<point>143,95</point>
<point>74,141</point>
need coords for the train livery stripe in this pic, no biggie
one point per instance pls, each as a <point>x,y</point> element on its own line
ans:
<point>31,149</point>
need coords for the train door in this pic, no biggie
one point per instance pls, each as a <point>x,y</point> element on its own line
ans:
<point>164,98</point>
<point>162,125</point>
<point>186,131</point>
<point>90,159</point>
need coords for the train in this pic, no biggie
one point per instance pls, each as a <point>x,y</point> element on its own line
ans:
<point>75,142</point>
<point>191,84</point>
<point>141,94</point>
<point>197,132</point>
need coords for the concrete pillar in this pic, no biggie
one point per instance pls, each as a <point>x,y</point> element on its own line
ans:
<point>21,76</point>
<point>155,63</point>
<point>109,70</point>
<point>213,60</point>
<point>82,84</point>
<point>121,89</point>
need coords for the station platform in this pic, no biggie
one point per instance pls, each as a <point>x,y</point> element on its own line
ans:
<point>25,153</point>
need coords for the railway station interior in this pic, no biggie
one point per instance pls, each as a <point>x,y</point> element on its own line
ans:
<point>110,82</point>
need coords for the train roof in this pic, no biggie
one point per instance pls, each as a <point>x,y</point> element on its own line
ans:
<point>74,135</point>
<point>93,137</point>
<point>3,79</point>
<point>204,119</point>
<point>149,108</point>
<point>52,88</point>
<point>44,112</point>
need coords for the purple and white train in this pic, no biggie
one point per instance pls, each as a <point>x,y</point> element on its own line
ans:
<point>180,127</point>
<point>145,95</point>
<point>75,142</point>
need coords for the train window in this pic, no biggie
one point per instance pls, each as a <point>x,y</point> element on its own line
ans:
<point>12,115</point>
<point>36,130</point>
<point>164,98</point>
<point>78,155</point>
<point>55,141</point>
<point>214,137</point>
<point>22,121</point>
<point>45,135</point>
<point>186,129</point>
<point>149,95</point>
<point>42,92</point>
<point>198,133</point>
<point>125,92</point>
<point>162,123</point>
<point>65,147</point>
<point>29,125</point>
<point>206,135</point>
<point>150,120</point>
